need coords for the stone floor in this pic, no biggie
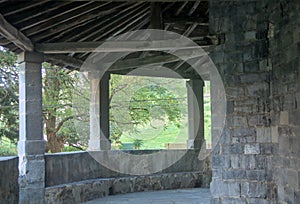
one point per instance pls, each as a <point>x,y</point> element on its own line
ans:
<point>180,196</point>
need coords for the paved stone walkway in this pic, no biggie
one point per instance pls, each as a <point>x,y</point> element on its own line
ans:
<point>181,196</point>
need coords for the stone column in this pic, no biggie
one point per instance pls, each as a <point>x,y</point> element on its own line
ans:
<point>31,145</point>
<point>195,113</point>
<point>99,112</point>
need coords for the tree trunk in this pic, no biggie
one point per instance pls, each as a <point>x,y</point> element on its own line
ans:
<point>55,144</point>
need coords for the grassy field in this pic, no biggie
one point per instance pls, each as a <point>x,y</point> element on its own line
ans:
<point>7,148</point>
<point>153,138</point>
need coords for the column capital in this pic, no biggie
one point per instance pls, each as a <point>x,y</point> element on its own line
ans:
<point>34,57</point>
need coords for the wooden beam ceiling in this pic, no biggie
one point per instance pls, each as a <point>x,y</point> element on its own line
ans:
<point>14,35</point>
<point>130,63</point>
<point>114,46</point>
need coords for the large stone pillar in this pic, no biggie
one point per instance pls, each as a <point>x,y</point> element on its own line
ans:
<point>195,113</point>
<point>31,145</point>
<point>99,112</point>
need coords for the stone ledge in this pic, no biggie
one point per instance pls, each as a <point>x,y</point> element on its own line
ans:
<point>83,191</point>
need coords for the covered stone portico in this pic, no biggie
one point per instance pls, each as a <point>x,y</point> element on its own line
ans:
<point>255,46</point>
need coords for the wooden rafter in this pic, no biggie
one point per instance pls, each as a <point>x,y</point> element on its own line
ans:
<point>89,28</point>
<point>25,20</point>
<point>120,23</point>
<point>181,8</point>
<point>15,36</point>
<point>60,18</point>
<point>112,28</point>
<point>193,9</point>
<point>22,7</point>
<point>75,22</point>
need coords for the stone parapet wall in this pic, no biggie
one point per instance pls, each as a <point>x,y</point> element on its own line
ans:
<point>9,188</point>
<point>78,192</point>
<point>73,177</point>
<point>65,168</point>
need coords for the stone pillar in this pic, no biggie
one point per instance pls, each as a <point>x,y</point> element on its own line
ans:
<point>31,145</point>
<point>195,114</point>
<point>99,113</point>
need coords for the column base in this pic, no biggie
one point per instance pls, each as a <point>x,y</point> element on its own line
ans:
<point>31,195</point>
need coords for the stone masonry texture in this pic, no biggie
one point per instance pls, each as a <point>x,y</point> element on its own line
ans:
<point>257,158</point>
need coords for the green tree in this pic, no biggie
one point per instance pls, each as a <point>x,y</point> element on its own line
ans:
<point>58,115</point>
<point>8,96</point>
<point>136,101</point>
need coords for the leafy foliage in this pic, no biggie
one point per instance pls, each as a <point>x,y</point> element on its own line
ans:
<point>8,96</point>
<point>138,102</point>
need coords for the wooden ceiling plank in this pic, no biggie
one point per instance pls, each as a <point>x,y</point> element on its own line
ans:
<point>193,9</point>
<point>115,24</point>
<point>111,27</point>
<point>95,25</point>
<point>15,36</point>
<point>47,24</point>
<point>138,26</point>
<point>186,34</point>
<point>181,8</point>
<point>143,12</point>
<point>74,23</point>
<point>43,14</point>
<point>22,7</point>
<point>131,22</point>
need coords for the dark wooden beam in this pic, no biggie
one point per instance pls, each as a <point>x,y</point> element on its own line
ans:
<point>125,64</point>
<point>22,6</point>
<point>119,25</point>
<point>181,8</point>
<point>15,36</point>
<point>87,29</point>
<point>193,9</point>
<point>158,72</point>
<point>64,60</point>
<point>113,46</point>
<point>62,17</point>
<point>122,22</point>
<point>156,21</point>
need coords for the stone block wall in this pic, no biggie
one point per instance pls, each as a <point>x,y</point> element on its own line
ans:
<point>242,157</point>
<point>256,158</point>
<point>284,23</point>
<point>9,188</point>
